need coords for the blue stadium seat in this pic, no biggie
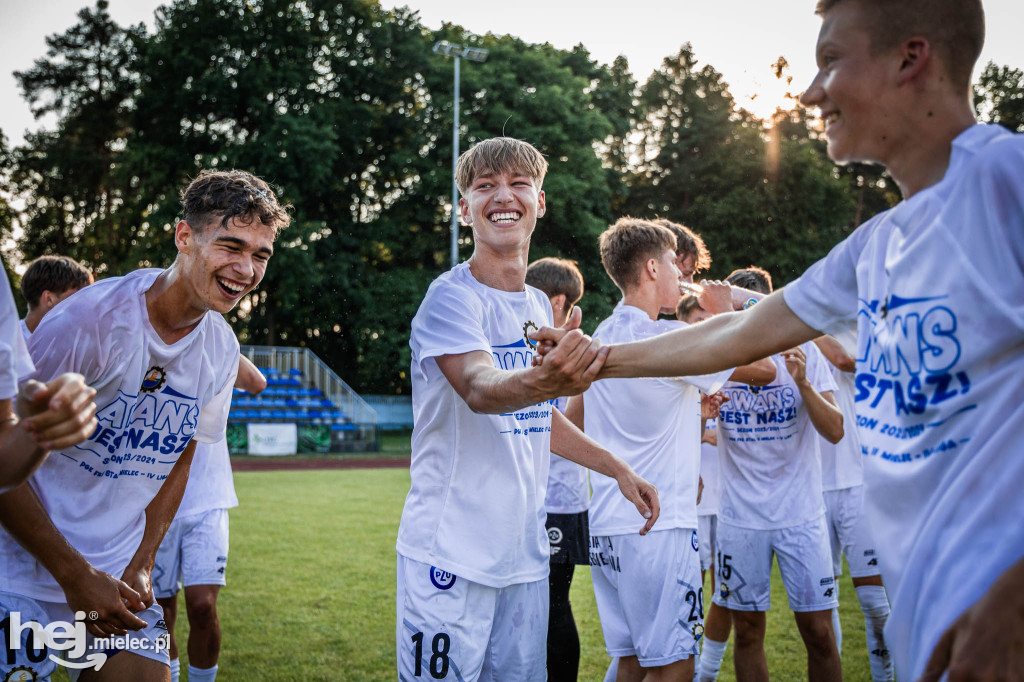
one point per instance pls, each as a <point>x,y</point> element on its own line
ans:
<point>265,414</point>
<point>295,372</point>
<point>279,414</point>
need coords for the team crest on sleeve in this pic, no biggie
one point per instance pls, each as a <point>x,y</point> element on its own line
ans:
<point>443,580</point>
<point>154,380</point>
<point>22,673</point>
<point>526,333</point>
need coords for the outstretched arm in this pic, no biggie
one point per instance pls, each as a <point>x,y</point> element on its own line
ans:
<point>569,442</point>
<point>724,341</point>
<point>569,369</point>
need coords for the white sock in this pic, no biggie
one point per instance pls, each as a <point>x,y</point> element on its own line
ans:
<point>175,669</point>
<point>202,674</point>
<point>838,629</point>
<point>613,671</point>
<point>711,659</point>
<point>875,606</point>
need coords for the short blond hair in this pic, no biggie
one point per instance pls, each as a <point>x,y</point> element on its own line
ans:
<point>628,244</point>
<point>500,155</point>
<point>955,29</point>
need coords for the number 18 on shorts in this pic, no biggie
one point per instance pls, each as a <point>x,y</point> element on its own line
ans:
<point>450,628</point>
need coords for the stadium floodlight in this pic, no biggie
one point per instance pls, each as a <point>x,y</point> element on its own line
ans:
<point>473,54</point>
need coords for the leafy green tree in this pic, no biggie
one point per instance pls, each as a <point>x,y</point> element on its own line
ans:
<point>999,96</point>
<point>66,176</point>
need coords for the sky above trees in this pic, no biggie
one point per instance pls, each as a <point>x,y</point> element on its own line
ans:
<point>740,38</point>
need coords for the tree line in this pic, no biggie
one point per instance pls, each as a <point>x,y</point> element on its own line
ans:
<point>345,110</point>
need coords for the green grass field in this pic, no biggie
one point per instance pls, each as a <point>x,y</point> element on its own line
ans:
<point>311,590</point>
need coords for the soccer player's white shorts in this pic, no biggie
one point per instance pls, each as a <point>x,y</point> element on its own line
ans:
<point>194,552</point>
<point>449,628</point>
<point>849,532</point>
<point>707,536</point>
<point>745,567</point>
<point>649,594</point>
<point>73,645</point>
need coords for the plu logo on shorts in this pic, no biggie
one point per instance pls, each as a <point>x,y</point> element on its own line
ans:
<point>22,673</point>
<point>554,536</point>
<point>526,333</point>
<point>443,580</point>
<point>154,380</point>
<point>697,631</point>
<point>694,542</point>
<point>724,591</point>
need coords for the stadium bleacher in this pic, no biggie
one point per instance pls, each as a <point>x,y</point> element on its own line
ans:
<point>288,398</point>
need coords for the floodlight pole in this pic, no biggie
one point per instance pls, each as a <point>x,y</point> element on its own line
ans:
<point>455,162</point>
<point>477,55</point>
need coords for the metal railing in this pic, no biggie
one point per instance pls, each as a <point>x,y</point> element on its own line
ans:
<point>315,372</point>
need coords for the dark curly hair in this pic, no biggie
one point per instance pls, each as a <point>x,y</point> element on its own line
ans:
<point>232,194</point>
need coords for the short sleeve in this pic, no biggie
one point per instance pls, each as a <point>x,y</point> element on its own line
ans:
<point>65,343</point>
<point>825,296</point>
<point>709,383</point>
<point>988,225</point>
<point>213,418</point>
<point>447,323</point>
<point>15,363</point>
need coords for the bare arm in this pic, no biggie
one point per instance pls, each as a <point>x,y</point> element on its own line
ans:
<point>159,514</point>
<point>574,411</point>
<point>724,341</point>
<point>86,588</point>
<point>826,417</point>
<point>566,370</point>
<point>56,415</point>
<point>758,373</point>
<point>835,353</point>
<point>569,442</point>
<point>249,378</point>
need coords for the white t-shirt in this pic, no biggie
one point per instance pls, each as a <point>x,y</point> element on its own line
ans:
<point>653,424</point>
<point>712,493</point>
<point>937,287</point>
<point>476,506</point>
<point>25,333</point>
<point>568,487</point>
<point>15,362</point>
<point>841,465</point>
<point>151,399</point>
<point>768,450</point>
<point>210,484</point>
